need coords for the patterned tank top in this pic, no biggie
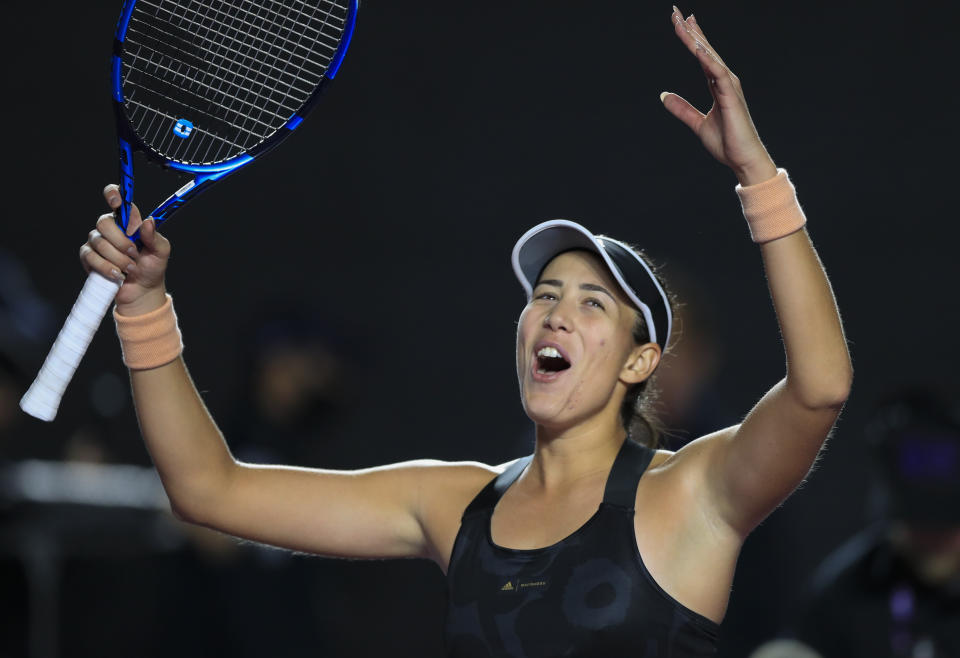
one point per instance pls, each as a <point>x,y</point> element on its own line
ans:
<point>587,595</point>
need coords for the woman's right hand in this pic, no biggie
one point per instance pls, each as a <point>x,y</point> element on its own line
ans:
<point>111,253</point>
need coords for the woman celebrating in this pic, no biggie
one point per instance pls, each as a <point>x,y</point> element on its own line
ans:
<point>596,544</point>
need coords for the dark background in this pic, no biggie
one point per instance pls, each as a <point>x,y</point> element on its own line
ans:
<point>451,129</point>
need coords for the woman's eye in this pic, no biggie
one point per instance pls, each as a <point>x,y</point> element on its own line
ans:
<point>546,295</point>
<point>594,302</point>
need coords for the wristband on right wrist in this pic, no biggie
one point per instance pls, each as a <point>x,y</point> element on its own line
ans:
<point>150,340</point>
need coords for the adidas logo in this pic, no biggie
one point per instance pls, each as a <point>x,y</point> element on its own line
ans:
<point>508,587</point>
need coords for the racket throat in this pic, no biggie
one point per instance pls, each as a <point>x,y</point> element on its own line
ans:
<point>126,181</point>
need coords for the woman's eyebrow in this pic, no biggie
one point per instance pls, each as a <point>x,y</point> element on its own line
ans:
<point>557,283</point>
<point>596,288</point>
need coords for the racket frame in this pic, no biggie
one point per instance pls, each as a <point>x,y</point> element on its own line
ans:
<point>128,140</point>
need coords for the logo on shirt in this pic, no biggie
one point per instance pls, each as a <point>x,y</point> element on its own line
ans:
<point>523,585</point>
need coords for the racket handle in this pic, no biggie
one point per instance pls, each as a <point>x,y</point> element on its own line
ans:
<point>43,398</point>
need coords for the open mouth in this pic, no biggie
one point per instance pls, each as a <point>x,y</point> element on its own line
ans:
<point>550,361</point>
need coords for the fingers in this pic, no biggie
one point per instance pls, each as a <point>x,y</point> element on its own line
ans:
<point>107,227</point>
<point>93,261</point>
<point>720,78</point>
<point>153,242</point>
<point>108,250</point>
<point>724,85</point>
<point>697,30</point>
<point>112,195</point>
<point>683,110</point>
<point>690,33</point>
<point>134,220</point>
<point>683,30</point>
<point>690,28</point>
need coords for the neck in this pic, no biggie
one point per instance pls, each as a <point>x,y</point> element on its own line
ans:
<point>564,456</point>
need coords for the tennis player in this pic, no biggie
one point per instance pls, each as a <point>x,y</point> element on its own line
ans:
<point>597,544</point>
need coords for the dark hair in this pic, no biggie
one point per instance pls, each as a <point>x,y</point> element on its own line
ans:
<point>637,410</point>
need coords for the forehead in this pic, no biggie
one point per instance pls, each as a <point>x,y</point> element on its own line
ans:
<point>579,266</point>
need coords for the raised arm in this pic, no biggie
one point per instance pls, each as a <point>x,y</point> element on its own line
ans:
<point>750,468</point>
<point>390,511</point>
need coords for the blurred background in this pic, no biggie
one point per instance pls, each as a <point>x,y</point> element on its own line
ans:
<point>349,301</point>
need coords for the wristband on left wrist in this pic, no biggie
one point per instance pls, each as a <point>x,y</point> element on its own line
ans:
<point>771,208</point>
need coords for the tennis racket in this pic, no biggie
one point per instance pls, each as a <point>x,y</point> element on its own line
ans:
<point>204,87</point>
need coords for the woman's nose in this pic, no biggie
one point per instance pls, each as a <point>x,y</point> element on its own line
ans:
<point>558,319</point>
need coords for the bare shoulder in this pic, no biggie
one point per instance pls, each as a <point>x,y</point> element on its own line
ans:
<point>442,471</point>
<point>660,457</point>
<point>436,483</point>
<point>681,479</point>
<point>438,479</point>
<point>694,459</point>
<point>432,477</point>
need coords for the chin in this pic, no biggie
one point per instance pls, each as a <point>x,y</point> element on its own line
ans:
<point>552,414</point>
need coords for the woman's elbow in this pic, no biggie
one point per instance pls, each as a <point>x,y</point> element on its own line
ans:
<point>198,503</point>
<point>836,397</point>
<point>180,513</point>
<point>187,512</point>
<point>830,391</point>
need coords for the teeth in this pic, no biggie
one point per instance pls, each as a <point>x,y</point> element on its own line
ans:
<point>549,352</point>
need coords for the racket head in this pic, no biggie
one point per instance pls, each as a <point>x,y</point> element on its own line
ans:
<point>206,86</point>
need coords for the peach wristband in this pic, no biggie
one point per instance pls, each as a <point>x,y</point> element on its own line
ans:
<point>150,340</point>
<point>771,208</point>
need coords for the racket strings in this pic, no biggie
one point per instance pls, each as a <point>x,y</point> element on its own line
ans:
<point>236,43</point>
<point>235,70</point>
<point>231,101</point>
<point>194,72</point>
<point>230,34</point>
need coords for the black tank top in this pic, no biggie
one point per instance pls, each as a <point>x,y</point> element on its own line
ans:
<point>587,595</point>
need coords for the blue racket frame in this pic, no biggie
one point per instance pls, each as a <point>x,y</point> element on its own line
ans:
<point>128,141</point>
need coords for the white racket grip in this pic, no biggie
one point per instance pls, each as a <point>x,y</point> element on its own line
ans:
<point>43,397</point>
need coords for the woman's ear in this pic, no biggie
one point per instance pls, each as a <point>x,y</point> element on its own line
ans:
<point>640,364</point>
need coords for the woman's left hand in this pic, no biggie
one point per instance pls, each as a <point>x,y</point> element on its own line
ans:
<point>727,131</point>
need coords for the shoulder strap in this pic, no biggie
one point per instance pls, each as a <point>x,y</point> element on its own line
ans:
<point>490,494</point>
<point>628,467</point>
